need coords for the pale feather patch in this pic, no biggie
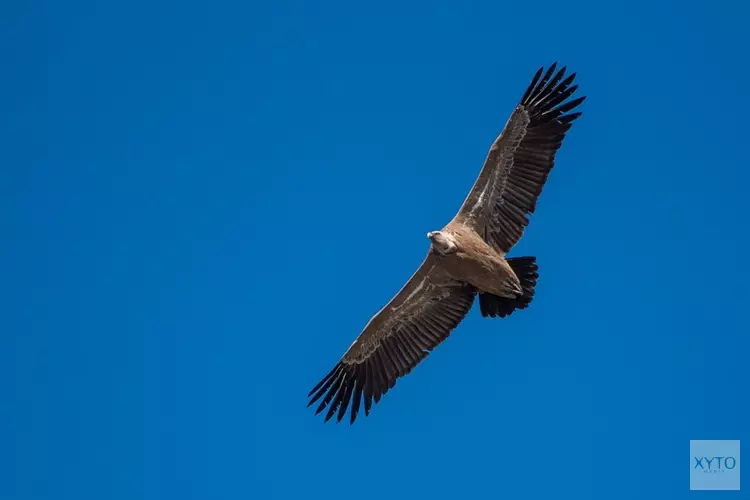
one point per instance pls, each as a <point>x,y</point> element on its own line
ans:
<point>417,290</point>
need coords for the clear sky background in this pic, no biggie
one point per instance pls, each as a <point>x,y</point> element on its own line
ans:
<point>202,204</point>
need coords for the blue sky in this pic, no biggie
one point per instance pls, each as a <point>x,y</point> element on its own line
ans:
<point>194,200</point>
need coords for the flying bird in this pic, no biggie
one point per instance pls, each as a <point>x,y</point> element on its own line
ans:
<point>466,258</point>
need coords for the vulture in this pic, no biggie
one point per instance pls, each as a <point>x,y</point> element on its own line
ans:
<point>467,258</point>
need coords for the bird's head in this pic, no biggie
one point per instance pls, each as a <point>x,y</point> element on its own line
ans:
<point>442,242</point>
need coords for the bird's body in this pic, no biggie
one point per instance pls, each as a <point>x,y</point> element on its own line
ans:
<point>467,258</point>
<point>477,263</point>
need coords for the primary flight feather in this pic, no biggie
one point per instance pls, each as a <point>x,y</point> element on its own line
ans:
<point>466,258</point>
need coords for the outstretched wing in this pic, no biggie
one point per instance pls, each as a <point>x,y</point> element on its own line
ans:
<point>520,160</point>
<point>395,340</point>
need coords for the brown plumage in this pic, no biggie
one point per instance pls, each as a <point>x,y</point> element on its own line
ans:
<point>466,258</point>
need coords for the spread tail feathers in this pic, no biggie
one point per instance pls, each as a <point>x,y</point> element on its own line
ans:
<point>526,270</point>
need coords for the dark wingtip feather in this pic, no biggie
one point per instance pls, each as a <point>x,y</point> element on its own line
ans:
<point>533,83</point>
<point>564,108</point>
<point>539,83</point>
<point>347,396</point>
<point>325,379</point>
<point>341,390</point>
<point>335,383</point>
<point>547,76</point>
<point>325,384</point>
<point>551,91</point>
<point>569,118</point>
<point>354,413</point>
<point>549,101</point>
